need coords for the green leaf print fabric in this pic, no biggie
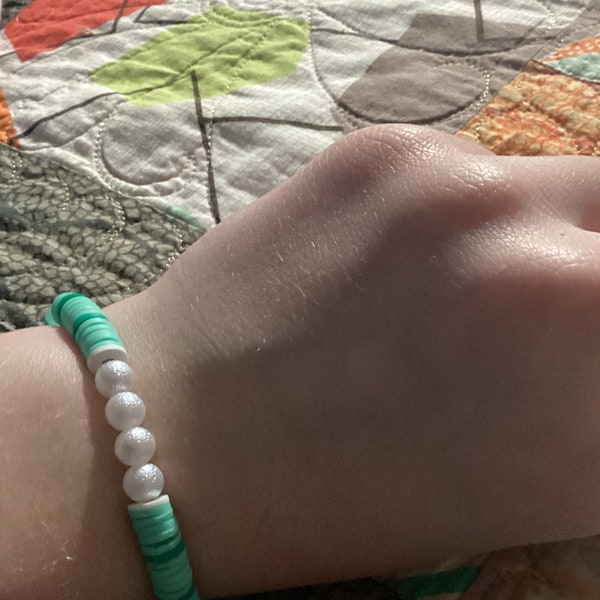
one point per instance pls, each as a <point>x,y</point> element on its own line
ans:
<point>224,48</point>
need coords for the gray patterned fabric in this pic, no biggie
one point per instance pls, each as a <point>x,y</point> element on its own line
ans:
<point>61,231</point>
<point>10,9</point>
<point>441,71</point>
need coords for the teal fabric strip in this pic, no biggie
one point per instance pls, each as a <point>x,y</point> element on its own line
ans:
<point>434,584</point>
<point>584,66</point>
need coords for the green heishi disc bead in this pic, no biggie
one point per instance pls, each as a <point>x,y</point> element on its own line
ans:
<point>95,335</point>
<point>164,551</point>
<point>107,339</point>
<point>85,326</point>
<point>140,516</point>
<point>167,555</point>
<point>92,335</point>
<point>81,319</point>
<point>74,308</point>
<point>163,531</point>
<point>159,519</point>
<point>158,549</point>
<point>49,319</point>
<point>57,305</point>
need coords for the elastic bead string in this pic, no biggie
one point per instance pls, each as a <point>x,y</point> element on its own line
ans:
<point>152,515</point>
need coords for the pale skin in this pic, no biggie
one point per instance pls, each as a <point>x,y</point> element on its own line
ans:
<point>391,359</point>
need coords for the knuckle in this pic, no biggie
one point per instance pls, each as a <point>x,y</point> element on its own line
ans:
<point>485,182</point>
<point>393,147</point>
<point>377,156</point>
<point>440,165</point>
<point>410,173</point>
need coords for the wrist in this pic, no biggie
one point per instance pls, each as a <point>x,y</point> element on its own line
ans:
<point>61,484</point>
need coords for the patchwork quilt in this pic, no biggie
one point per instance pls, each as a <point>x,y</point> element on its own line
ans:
<point>128,128</point>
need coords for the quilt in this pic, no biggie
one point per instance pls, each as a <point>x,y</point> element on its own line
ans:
<point>128,128</point>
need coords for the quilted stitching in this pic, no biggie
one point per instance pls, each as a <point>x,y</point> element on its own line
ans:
<point>60,227</point>
<point>224,47</point>
<point>61,231</point>
<point>89,126</point>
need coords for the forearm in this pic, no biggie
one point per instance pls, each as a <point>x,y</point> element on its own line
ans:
<point>267,495</point>
<point>234,479</point>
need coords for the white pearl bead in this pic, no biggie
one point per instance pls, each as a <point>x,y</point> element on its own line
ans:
<point>112,377</point>
<point>125,410</point>
<point>143,483</point>
<point>135,447</point>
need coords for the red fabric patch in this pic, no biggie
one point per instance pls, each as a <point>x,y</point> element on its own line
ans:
<point>46,24</point>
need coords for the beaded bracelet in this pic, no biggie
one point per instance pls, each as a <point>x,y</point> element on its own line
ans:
<point>151,514</point>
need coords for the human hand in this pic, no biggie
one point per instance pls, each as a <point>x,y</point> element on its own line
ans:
<point>390,359</point>
<point>400,351</point>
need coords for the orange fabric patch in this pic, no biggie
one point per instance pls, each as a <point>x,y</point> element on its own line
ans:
<point>577,48</point>
<point>8,135</point>
<point>540,112</point>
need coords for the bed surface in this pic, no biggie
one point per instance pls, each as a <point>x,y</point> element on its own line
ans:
<point>129,128</point>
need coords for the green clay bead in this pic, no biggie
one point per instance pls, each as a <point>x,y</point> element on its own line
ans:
<point>95,335</point>
<point>75,307</point>
<point>82,324</point>
<point>88,326</point>
<point>81,319</point>
<point>57,305</point>
<point>88,330</point>
<point>164,550</point>
<point>49,319</point>
<point>157,549</point>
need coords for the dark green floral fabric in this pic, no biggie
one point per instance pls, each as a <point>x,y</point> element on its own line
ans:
<point>62,231</point>
<point>10,9</point>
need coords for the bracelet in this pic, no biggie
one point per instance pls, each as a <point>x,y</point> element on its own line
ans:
<point>151,513</point>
